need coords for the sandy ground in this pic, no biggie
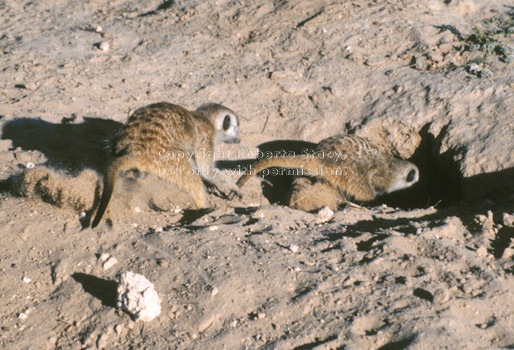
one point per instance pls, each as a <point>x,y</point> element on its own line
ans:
<point>430,267</point>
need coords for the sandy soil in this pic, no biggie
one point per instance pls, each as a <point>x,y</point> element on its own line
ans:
<point>430,267</point>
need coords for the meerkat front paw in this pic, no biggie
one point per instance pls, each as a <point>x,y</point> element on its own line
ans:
<point>230,191</point>
<point>224,190</point>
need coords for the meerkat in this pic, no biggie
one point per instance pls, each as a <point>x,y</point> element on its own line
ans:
<point>175,144</point>
<point>353,166</point>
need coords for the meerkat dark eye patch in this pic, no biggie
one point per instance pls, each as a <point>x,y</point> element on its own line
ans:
<point>226,122</point>
<point>411,175</point>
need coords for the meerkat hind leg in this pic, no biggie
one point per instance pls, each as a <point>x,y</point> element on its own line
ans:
<point>182,174</point>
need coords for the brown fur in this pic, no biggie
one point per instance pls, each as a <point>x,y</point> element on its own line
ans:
<point>173,143</point>
<point>350,164</point>
<point>309,194</point>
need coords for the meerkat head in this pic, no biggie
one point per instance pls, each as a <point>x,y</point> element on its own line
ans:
<point>400,174</point>
<point>404,175</point>
<point>225,121</point>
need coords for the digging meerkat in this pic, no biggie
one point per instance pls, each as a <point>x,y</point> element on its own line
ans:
<point>175,144</point>
<point>352,165</point>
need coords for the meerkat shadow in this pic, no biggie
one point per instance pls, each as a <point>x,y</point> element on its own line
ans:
<point>191,215</point>
<point>68,146</point>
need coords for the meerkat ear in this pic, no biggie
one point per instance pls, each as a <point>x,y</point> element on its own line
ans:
<point>226,122</point>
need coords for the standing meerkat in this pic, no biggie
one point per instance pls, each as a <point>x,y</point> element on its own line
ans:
<point>352,165</point>
<point>175,144</point>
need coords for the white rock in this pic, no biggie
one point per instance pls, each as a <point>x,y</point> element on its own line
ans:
<point>104,46</point>
<point>482,251</point>
<point>324,214</point>
<point>104,256</point>
<point>294,248</point>
<point>110,263</point>
<point>138,297</point>
<point>23,315</point>
<point>508,219</point>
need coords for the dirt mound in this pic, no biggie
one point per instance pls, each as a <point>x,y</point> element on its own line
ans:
<point>59,189</point>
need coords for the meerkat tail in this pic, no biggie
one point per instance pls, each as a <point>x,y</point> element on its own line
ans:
<point>310,164</point>
<point>109,182</point>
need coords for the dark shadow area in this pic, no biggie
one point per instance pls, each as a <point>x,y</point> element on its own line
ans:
<point>191,215</point>
<point>379,225</point>
<point>166,4</point>
<point>245,210</point>
<point>446,27</point>
<point>502,241</point>
<point>364,246</point>
<point>316,344</point>
<point>495,186</point>
<point>101,289</point>
<point>423,294</point>
<point>399,345</point>
<point>67,146</point>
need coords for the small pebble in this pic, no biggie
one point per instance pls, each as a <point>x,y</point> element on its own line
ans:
<point>162,263</point>
<point>118,329</point>
<point>98,29</point>
<point>508,253</point>
<point>104,256</point>
<point>110,263</point>
<point>104,46</point>
<point>508,219</point>
<point>27,279</point>
<point>293,248</point>
<point>101,342</point>
<point>324,214</point>
<point>482,251</point>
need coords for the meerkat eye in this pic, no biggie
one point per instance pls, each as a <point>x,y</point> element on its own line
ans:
<point>411,175</point>
<point>226,122</point>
